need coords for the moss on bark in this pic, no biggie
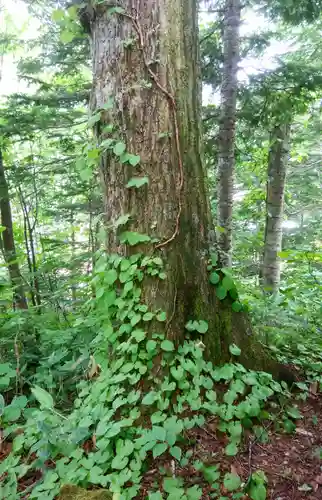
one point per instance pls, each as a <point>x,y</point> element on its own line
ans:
<point>71,492</point>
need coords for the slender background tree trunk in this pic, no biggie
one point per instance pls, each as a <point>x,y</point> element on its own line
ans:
<point>147,60</point>
<point>226,137</point>
<point>8,243</point>
<point>73,255</point>
<point>276,175</point>
<point>29,232</point>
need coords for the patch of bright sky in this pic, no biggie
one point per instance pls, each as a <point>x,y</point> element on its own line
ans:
<point>14,18</point>
<point>252,23</point>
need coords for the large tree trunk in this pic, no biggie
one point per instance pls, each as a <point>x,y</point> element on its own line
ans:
<point>276,175</point>
<point>8,243</point>
<point>148,62</point>
<point>226,137</point>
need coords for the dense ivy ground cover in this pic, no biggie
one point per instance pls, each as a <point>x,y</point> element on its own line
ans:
<point>98,421</point>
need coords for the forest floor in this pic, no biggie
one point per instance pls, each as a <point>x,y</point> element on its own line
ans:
<point>292,463</point>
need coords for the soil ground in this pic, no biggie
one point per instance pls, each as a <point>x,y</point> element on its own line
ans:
<point>292,463</point>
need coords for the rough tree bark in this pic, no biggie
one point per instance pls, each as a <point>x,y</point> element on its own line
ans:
<point>147,60</point>
<point>276,175</point>
<point>226,137</point>
<point>8,242</point>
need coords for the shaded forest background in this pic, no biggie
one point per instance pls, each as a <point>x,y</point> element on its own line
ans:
<point>62,321</point>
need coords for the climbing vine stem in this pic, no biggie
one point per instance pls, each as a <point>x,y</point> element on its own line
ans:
<point>172,102</point>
